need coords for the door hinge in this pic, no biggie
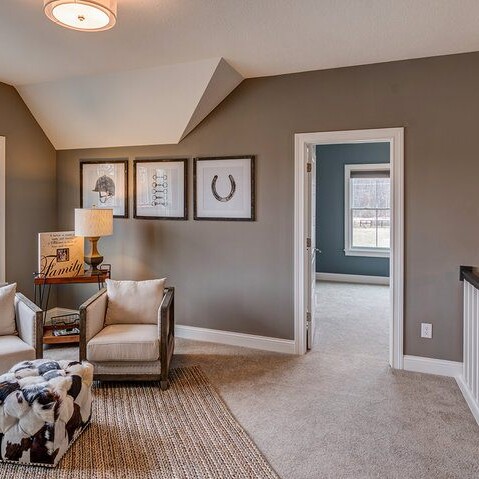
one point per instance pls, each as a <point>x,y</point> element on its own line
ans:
<point>309,167</point>
<point>308,320</point>
<point>308,242</point>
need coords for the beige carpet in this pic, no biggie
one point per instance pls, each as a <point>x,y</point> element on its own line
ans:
<point>340,411</point>
<point>140,432</point>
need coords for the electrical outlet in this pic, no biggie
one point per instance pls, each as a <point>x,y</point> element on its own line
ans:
<point>426,330</point>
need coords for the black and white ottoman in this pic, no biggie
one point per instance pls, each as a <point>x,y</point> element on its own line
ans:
<point>44,407</point>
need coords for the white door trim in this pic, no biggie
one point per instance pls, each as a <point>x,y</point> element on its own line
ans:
<point>2,208</point>
<point>395,137</point>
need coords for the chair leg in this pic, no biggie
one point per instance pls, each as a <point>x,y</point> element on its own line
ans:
<point>164,385</point>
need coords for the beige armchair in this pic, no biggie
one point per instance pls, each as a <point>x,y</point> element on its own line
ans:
<point>135,352</point>
<point>27,344</point>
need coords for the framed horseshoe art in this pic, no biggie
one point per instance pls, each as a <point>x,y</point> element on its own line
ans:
<point>224,188</point>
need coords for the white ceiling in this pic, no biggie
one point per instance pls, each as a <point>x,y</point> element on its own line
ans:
<point>256,37</point>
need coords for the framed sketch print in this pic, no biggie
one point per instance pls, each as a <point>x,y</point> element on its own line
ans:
<point>160,189</point>
<point>224,188</point>
<point>104,184</point>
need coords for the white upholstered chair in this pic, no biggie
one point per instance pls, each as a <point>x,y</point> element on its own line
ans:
<point>127,331</point>
<point>23,339</point>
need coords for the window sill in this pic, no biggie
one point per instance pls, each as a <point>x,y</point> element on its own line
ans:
<point>367,253</point>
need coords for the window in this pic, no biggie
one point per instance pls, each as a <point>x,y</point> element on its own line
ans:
<point>367,210</point>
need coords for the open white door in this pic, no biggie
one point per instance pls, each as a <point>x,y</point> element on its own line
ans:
<point>311,246</point>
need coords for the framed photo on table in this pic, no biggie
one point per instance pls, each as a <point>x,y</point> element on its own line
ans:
<point>160,188</point>
<point>104,184</point>
<point>224,188</point>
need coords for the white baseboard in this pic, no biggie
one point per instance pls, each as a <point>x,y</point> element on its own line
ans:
<point>57,312</point>
<point>473,405</point>
<point>440,367</point>
<point>352,278</point>
<point>264,343</point>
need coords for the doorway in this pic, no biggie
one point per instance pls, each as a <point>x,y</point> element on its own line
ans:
<point>305,249</point>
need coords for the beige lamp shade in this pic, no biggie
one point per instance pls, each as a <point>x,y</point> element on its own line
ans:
<point>83,15</point>
<point>93,222</point>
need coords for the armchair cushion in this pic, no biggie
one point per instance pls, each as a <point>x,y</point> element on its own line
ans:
<point>134,302</point>
<point>12,351</point>
<point>125,342</point>
<point>7,309</point>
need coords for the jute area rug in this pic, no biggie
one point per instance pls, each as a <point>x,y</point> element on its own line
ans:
<point>140,432</point>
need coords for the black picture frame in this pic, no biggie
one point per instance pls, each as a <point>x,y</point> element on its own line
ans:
<point>106,161</point>
<point>145,160</point>
<point>252,209</point>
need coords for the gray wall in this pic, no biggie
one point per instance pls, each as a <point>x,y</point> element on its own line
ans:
<point>330,161</point>
<point>239,276</point>
<point>30,187</point>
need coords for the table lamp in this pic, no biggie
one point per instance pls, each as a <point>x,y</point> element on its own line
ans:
<point>93,223</point>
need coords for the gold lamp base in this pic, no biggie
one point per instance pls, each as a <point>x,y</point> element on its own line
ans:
<point>94,259</point>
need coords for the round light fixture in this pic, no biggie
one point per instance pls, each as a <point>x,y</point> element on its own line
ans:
<point>84,15</point>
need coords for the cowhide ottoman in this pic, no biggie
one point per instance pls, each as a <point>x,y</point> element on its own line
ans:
<point>44,406</point>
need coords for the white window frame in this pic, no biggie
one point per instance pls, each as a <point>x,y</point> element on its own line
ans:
<point>349,249</point>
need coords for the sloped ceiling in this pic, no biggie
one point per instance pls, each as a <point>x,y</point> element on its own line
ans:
<point>154,76</point>
<point>222,83</point>
<point>140,107</point>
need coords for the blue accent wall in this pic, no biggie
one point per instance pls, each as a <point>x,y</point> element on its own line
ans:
<point>330,161</point>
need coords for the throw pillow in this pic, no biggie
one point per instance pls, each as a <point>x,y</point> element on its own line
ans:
<point>134,302</point>
<point>7,309</point>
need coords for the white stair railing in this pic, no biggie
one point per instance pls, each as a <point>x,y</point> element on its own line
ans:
<point>469,380</point>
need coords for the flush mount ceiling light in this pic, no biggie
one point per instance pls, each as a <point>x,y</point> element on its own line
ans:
<point>84,15</point>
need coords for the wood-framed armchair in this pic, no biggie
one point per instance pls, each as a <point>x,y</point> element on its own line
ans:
<point>128,352</point>
<point>27,343</point>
